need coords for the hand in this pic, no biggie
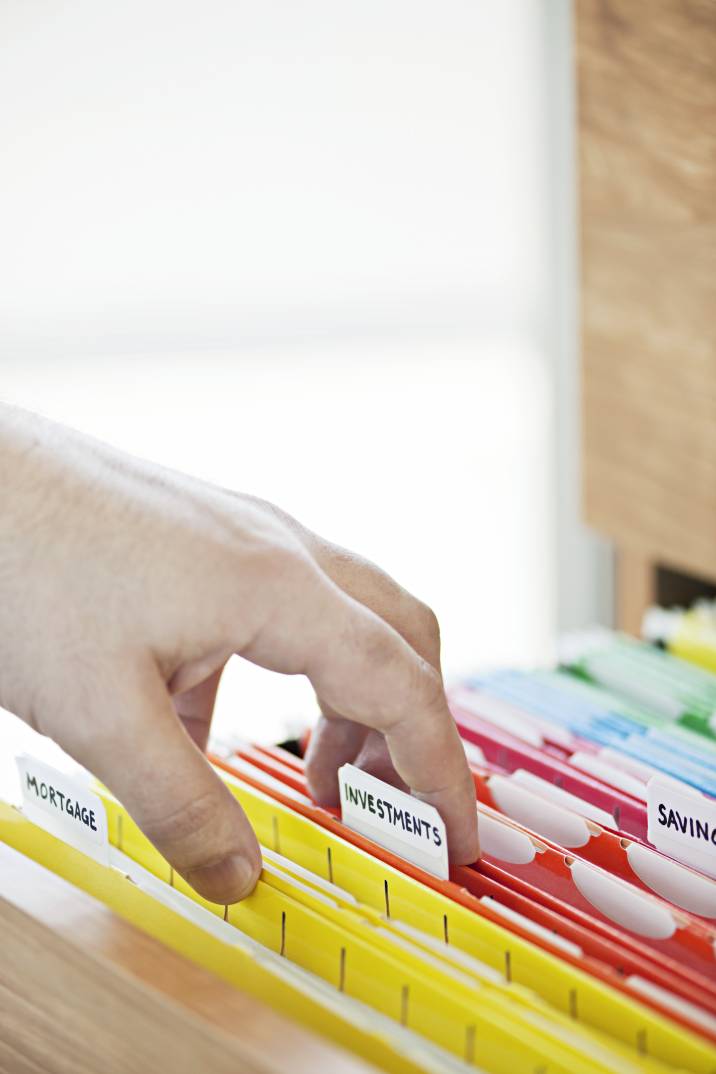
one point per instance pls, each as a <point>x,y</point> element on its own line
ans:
<point>124,589</point>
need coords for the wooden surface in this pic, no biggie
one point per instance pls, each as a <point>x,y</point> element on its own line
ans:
<point>635,589</point>
<point>647,159</point>
<point>83,991</point>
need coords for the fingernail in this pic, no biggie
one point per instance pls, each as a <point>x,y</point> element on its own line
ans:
<point>225,881</point>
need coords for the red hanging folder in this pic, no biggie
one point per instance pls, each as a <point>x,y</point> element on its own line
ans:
<point>603,955</point>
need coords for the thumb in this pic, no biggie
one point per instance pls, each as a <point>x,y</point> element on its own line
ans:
<point>151,765</point>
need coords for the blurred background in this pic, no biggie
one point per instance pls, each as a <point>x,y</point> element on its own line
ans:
<point>324,253</point>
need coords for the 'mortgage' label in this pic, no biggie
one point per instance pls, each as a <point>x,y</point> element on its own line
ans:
<point>63,806</point>
<point>397,821</point>
<point>682,823</point>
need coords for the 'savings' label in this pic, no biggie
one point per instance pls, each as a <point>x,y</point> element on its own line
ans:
<point>402,824</point>
<point>682,823</point>
<point>63,806</point>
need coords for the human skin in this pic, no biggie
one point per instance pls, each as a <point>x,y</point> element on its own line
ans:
<point>124,589</point>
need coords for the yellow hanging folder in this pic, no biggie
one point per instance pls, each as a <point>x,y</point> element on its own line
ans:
<point>460,979</point>
<point>239,963</point>
<point>361,875</point>
<point>504,1049</point>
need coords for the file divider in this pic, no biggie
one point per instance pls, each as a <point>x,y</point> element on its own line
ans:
<point>701,983</point>
<point>483,1028</point>
<point>441,908</point>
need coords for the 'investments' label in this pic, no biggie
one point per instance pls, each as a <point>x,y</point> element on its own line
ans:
<point>394,819</point>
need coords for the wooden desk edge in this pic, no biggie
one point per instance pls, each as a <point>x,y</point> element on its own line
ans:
<point>83,990</point>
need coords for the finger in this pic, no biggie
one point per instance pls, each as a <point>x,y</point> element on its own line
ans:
<point>151,765</point>
<point>414,621</point>
<point>373,676</point>
<point>195,708</point>
<point>370,585</point>
<point>374,758</point>
<point>334,742</point>
<point>366,671</point>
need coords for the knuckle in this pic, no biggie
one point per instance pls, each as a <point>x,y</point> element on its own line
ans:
<point>291,574</point>
<point>428,621</point>
<point>381,645</point>
<point>249,532</point>
<point>424,632</point>
<point>274,550</point>
<point>430,691</point>
<point>268,561</point>
<point>278,558</point>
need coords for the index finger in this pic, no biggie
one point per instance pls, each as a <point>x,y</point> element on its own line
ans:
<point>365,670</point>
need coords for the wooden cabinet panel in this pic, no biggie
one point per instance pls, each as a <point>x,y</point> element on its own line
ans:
<point>647,149</point>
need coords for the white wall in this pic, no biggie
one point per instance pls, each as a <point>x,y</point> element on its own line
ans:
<point>317,251</point>
<point>211,170</point>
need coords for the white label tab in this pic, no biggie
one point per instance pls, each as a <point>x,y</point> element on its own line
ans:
<point>64,806</point>
<point>395,820</point>
<point>682,823</point>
